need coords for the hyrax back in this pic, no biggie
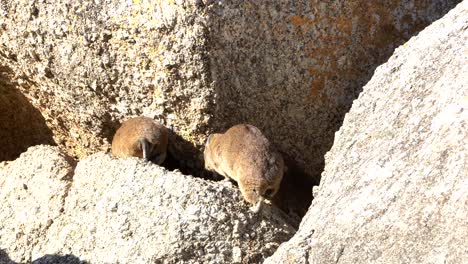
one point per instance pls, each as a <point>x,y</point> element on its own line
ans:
<point>245,155</point>
<point>141,137</point>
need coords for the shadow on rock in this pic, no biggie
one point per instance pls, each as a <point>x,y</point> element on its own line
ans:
<point>21,124</point>
<point>295,194</point>
<point>47,259</point>
<point>185,157</point>
<point>56,259</point>
<point>4,258</point>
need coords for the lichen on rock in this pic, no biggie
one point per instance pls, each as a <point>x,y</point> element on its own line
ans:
<point>395,180</point>
<point>291,68</point>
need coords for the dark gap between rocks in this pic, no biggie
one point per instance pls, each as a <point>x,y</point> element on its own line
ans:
<point>185,157</point>
<point>46,259</point>
<point>294,196</point>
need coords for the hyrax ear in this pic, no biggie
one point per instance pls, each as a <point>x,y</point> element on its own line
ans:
<point>208,141</point>
<point>146,148</point>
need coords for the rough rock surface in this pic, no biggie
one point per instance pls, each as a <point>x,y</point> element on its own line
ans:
<point>129,211</point>
<point>291,68</point>
<point>21,124</point>
<point>93,63</point>
<point>32,193</point>
<point>394,189</point>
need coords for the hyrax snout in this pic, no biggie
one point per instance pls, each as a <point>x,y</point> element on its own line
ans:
<point>245,155</point>
<point>141,137</point>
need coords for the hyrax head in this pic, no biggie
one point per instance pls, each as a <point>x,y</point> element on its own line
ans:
<point>141,137</point>
<point>209,154</point>
<point>262,180</point>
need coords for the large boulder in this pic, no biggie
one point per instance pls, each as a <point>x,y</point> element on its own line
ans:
<point>32,195</point>
<point>291,68</point>
<point>394,189</point>
<point>128,211</point>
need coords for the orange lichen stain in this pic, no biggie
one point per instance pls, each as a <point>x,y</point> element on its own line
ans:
<point>376,25</point>
<point>317,86</point>
<point>328,48</point>
<point>300,21</point>
<point>344,25</point>
<point>312,71</point>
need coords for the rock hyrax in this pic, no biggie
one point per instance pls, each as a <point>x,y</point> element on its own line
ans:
<point>245,155</point>
<point>141,137</point>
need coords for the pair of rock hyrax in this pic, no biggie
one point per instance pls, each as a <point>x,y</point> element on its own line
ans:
<point>245,155</point>
<point>141,137</point>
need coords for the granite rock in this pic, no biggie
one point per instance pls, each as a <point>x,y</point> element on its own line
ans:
<point>32,194</point>
<point>127,211</point>
<point>291,68</point>
<point>394,189</point>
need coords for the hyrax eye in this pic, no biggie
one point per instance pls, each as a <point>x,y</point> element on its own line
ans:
<point>269,192</point>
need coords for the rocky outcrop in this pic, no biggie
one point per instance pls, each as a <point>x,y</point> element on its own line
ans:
<point>292,68</point>
<point>127,211</point>
<point>32,194</point>
<point>395,180</point>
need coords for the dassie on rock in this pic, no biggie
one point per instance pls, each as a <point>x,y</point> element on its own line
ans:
<point>245,155</point>
<point>141,137</point>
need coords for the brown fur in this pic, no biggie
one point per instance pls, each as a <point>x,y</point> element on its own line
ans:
<point>245,155</point>
<point>136,133</point>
